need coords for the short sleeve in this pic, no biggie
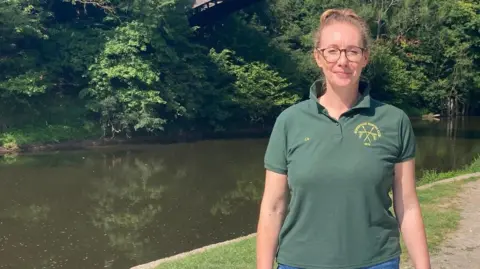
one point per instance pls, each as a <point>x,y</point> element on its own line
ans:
<point>407,147</point>
<point>276,152</point>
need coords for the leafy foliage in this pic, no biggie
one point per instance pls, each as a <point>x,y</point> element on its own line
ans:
<point>138,66</point>
<point>258,90</point>
<point>123,81</point>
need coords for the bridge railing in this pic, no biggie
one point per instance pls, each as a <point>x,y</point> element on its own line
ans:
<point>204,5</point>
<point>207,11</point>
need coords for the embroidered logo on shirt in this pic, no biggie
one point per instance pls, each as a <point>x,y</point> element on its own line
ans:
<point>368,132</point>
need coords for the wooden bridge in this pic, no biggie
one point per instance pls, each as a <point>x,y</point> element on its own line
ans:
<point>208,11</point>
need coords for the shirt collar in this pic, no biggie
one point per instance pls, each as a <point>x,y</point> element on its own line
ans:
<point>317,89</point>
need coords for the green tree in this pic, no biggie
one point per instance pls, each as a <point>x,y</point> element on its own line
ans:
<point>259,91</point>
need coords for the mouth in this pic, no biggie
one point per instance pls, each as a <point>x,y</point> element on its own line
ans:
<point>342,74</point>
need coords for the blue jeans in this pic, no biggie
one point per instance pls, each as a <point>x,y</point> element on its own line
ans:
<point>391,264</point>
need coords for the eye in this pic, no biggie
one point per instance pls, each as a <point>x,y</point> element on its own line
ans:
<point>355,51</point>
<point>332,51</point>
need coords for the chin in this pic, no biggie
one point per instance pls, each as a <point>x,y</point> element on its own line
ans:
<point>343,82</point>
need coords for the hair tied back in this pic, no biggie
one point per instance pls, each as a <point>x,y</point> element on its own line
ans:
<point>343,15</point>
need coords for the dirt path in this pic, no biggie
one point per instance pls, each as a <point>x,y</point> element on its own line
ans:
<point>462,248</point>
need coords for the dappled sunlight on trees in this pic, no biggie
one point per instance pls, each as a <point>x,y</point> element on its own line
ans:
<point>136,67</point>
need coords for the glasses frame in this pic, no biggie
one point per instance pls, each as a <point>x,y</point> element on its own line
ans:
<point>340,54</point>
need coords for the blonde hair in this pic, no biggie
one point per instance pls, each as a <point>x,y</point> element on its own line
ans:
<point>331,16</point>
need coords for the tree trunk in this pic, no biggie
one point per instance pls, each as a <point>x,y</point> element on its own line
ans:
<point>450,107</point>
<point>455,105</point>
<point>466,108</point>
<point>379,25</point>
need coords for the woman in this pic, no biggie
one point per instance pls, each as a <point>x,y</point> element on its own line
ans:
<point>338,155</point>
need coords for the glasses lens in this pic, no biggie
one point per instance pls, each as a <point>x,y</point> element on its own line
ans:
<point>333,54</point>
<point>354,54</point>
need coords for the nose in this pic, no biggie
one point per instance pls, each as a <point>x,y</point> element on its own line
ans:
<point>342,61</point>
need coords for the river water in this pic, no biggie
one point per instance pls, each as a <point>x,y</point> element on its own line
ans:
<point>122,206</point>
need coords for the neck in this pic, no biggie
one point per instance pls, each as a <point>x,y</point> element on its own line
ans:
<point>339,100</point>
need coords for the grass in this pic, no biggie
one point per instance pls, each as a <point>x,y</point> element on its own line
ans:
<point>13,139</point>
<point>430,176</point>
<point>238,255</point>
<point>440,210</point>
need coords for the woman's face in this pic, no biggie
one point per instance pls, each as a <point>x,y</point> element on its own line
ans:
<point>341,68</point>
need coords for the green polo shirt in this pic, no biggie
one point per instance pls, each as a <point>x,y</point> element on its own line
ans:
<point>339,174</point>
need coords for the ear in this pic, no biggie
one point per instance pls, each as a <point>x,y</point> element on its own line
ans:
<point>318,58</point>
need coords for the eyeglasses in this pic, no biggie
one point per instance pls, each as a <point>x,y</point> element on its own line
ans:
<point>331,55</point>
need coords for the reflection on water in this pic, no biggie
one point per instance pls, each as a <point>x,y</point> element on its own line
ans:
<point>447,144</point>
<point>118,207</point>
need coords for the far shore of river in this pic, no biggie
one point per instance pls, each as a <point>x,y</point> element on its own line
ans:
<point>105,142</point>
<point>158,139</point>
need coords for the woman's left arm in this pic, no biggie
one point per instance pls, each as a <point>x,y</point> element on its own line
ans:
<point>408,212</point>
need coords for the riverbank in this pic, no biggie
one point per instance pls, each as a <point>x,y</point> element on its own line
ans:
<point>49,137</point>
<point>437,198</point>
<point>58,137</point>
<point>89,135</point>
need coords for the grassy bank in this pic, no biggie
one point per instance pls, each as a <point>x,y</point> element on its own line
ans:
<point>88,134</point>
<point>440,210</point>
<point>14,139</point>
<point>430,176</point>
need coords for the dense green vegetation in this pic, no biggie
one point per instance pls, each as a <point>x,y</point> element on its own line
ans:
<point>137,67</point>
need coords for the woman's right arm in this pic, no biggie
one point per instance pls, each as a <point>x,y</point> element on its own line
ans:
<point>272,213</point>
